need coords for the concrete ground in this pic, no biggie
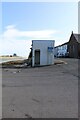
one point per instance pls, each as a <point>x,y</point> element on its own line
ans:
<point>41,92</point>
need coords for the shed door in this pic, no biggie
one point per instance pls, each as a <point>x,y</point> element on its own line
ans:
<point>37,57</point>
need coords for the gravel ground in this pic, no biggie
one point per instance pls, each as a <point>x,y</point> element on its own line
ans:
<point>41,92</point>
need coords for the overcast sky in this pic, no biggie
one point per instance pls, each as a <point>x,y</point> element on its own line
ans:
<point>24,21</point>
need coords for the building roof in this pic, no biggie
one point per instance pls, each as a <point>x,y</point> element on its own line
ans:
<point>44,40</point>
<point>77,37</point>
<point>62,44</point>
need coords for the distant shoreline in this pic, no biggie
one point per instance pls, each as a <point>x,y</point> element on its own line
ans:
<point>8,59</point>
<point>12,57</point>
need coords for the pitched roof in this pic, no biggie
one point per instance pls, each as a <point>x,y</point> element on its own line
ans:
<point>62,44</point>
<point>77,37</point>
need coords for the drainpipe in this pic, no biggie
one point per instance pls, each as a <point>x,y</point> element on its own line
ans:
<point>32,57</point>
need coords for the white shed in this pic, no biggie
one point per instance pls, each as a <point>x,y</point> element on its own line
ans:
<point>42,52</point>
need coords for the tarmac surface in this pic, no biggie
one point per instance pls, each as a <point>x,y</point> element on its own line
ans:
<point>41,92</point>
